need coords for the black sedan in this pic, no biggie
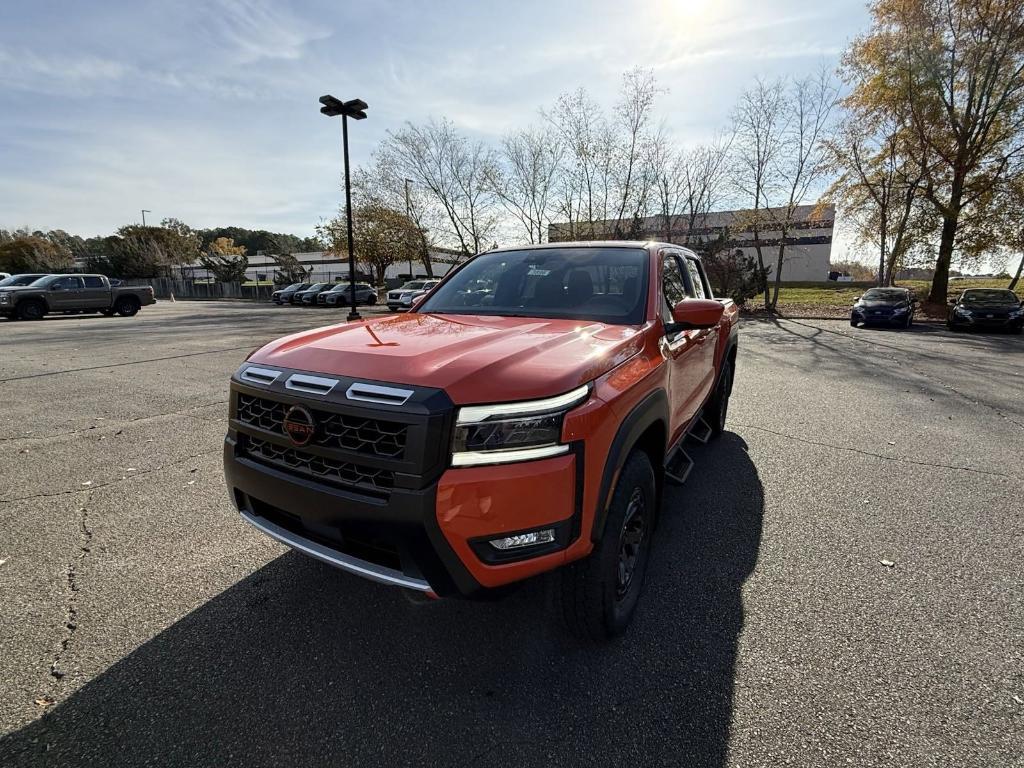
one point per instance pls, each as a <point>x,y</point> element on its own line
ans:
<point>884,306</point>
<point>990,309</point>
<point>284,296</point>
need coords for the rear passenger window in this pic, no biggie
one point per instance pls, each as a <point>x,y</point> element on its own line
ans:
<point>696,282</point>
<point>93,282</point>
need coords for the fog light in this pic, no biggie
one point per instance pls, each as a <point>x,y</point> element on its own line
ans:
<point>524,539</point>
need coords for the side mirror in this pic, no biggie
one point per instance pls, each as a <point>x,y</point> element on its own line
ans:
<point>418,299</point>
<point>952,302</point>
<point>856,299</point>
<point>689,314</point>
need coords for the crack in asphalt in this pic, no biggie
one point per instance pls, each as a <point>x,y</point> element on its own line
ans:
<point>71,611</point>
<point>897,459</point>
<point>97,486</point>
<point>126,363</point>
<point>94,428</point>
<point>908,364</point>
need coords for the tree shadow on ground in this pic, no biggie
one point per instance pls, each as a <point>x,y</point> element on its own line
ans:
<point>299,665</point>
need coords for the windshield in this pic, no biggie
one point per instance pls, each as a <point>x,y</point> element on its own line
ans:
<point>989,297</point>
<point>606,285</point>
<point>885,294</point>
<point>292,287</point>
<point>317,287</point>
<point>415,285</point>
<point>44,281</point>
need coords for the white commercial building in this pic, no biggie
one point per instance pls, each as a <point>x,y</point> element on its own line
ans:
<point>805,257</point>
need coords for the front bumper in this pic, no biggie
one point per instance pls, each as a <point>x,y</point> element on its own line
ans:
<point>981,321</point>
<point>429,532</point>
<point>873,317</point>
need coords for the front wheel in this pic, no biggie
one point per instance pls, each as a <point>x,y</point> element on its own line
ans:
<point>600,593</point>
<point>31,310</point>
<point>371,300</point>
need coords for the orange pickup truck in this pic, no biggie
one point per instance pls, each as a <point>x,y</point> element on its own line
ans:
<point>523,417</point>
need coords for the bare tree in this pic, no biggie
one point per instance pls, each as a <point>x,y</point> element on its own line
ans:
<point>589,160</point>
<point>688,184</point>
<point>633,172</point>
<point>453,170</point>
<point>525,176</point>
<point>801,163</point>
<point>759,125</point>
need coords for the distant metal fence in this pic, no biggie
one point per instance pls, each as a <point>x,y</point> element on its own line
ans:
<point>165,287</point>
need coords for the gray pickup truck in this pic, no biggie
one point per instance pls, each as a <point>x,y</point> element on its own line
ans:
<point>72,293</point>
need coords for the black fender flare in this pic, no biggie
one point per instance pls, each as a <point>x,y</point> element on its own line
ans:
<point>651,410</point>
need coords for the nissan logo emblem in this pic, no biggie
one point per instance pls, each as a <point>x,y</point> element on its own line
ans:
<point>299,425</point>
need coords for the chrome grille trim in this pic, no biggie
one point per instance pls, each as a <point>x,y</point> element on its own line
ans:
<point>263,377</point>
<point>374,393</point>
<point>312,385</point>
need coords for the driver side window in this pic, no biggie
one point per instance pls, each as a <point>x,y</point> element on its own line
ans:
<point>673,286</point>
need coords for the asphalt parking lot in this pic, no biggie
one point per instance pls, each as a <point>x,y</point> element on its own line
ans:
<point>142,623</point>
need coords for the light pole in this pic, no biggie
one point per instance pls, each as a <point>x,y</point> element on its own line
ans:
<point>408,216</point>
<point>356,109</point>
<point>144,212</point>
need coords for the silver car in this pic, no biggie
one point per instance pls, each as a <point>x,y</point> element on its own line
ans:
<point>402,298</point>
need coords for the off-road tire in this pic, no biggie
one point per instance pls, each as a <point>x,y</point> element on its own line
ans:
<point>127,306</point>
<point>598,598</point>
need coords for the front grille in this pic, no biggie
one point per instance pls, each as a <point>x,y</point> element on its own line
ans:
<point>373,437</point>
<point>342,473</point>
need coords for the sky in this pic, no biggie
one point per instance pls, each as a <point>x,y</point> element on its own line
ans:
<point>207,111</point>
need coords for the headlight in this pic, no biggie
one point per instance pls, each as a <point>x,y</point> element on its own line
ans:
<point>1015,313</point>
<point>962,311</point>
<point>899,310</point>
<point>5,298</point>
<point>497,434</point>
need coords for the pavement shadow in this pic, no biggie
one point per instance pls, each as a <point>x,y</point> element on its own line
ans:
<point>300,665</point>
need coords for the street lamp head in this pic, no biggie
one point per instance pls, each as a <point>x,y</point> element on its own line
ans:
<point>333,107</point>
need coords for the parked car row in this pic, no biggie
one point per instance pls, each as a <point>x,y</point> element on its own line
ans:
<point>33,296</point>
<point>339,294</point>
<point>324,294</point>
<point>976,308</point>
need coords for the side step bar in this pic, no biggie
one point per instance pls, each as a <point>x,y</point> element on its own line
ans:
<point>678,463</point>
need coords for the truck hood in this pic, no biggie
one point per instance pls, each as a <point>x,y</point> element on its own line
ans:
<point>474,359</point>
